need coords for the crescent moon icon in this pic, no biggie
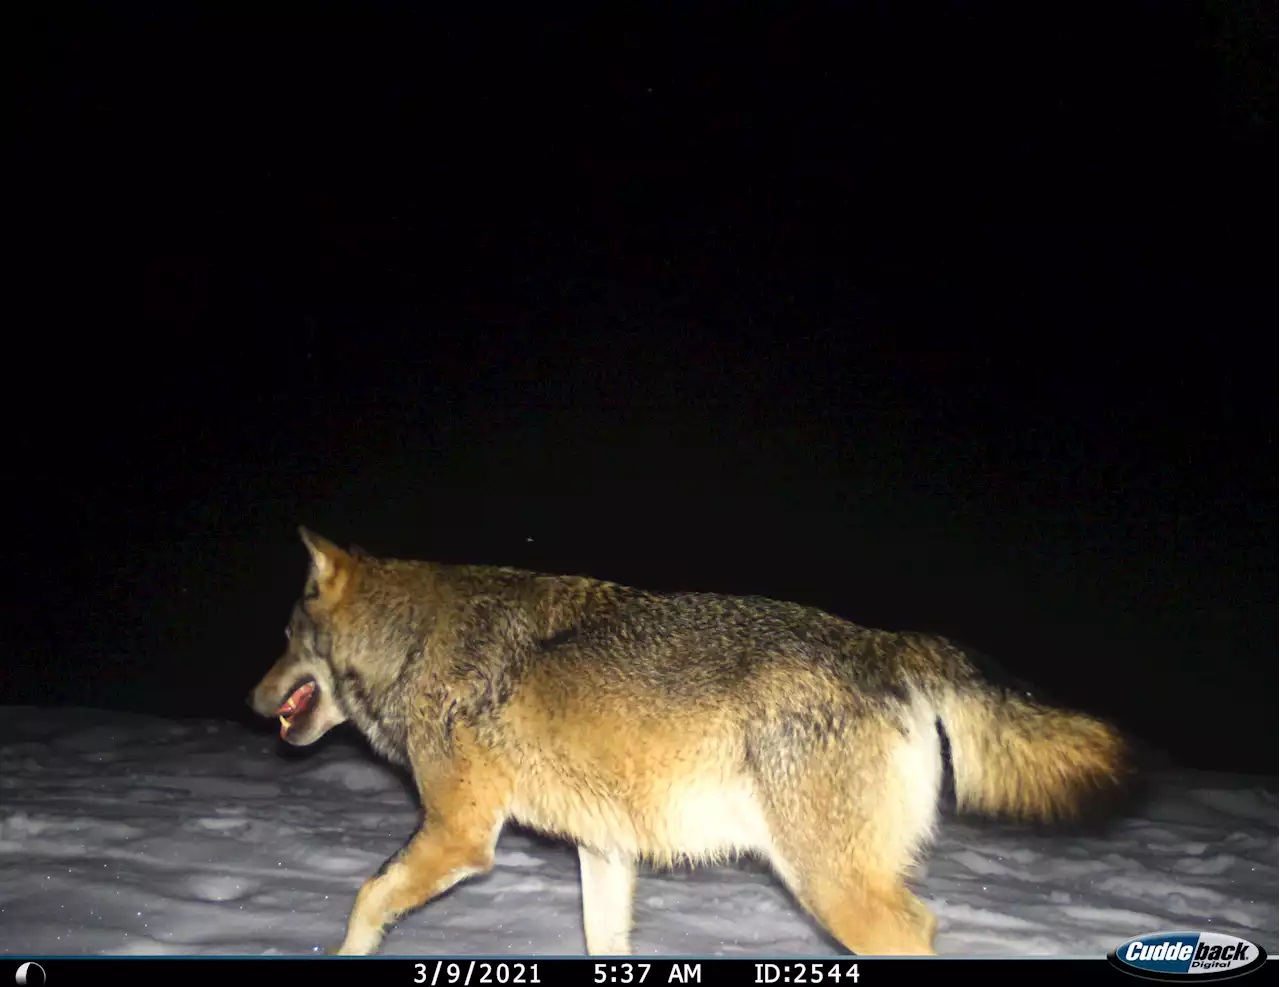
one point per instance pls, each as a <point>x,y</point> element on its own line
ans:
<point>31,973</point>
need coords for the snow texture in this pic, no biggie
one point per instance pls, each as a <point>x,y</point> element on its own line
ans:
<point>123,834</point>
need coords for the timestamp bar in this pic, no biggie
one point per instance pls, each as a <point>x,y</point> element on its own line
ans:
<point>529,971</point>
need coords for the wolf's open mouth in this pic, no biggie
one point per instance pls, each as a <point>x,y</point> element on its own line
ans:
<point>297,703</point>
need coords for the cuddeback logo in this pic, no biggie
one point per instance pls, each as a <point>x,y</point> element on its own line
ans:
<point>1187,956</point>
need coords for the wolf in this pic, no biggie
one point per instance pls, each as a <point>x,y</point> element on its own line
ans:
<point>665,728</point>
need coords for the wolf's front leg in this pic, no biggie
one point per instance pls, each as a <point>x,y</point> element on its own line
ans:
<point>608,888</point>
<point>438,857</point>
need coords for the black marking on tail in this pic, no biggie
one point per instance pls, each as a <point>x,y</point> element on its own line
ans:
<point>947,785</point>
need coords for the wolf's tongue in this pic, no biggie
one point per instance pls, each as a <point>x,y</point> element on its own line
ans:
<point>296,703</point>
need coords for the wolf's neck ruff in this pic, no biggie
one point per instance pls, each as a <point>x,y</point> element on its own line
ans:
<point>375,714</point>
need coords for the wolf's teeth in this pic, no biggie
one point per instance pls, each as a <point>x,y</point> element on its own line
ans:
<point>284,722</point>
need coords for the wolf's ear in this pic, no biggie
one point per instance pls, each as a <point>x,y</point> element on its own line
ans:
<point>328,561</point>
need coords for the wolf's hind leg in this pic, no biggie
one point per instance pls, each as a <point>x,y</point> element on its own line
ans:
<point>847,826</point>
<point>873,919</point>
<point>608,888</point>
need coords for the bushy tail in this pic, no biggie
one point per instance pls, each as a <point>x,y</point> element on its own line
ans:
<point>1013,756</point>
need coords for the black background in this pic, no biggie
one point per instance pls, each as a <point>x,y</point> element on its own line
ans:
<point>951,318</point>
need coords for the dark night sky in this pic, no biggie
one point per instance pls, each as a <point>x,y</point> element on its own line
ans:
<point>950,321</point>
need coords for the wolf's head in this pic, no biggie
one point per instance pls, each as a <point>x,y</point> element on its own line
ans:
<point>300,687</point>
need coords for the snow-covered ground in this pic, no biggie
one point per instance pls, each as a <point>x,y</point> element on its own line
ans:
<point>124,834</point>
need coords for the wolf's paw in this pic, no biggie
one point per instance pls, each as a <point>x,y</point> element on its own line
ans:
<point>348,948</point>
